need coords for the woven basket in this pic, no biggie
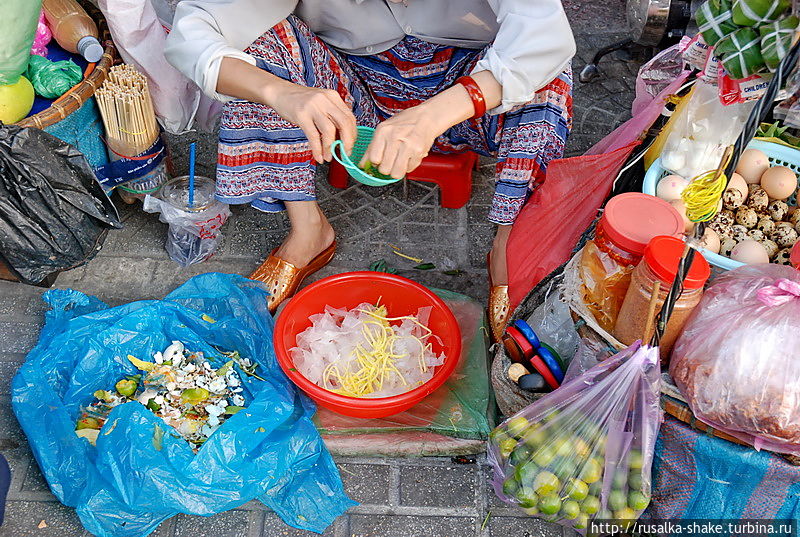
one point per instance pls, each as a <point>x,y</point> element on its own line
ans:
<point>73,99</point>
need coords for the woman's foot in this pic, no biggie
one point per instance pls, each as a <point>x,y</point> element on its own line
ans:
<point>499,305</point>
<point>309,246</point>
<point>310,234</point>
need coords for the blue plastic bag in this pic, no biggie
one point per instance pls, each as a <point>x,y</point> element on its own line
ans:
<point>136,477</point>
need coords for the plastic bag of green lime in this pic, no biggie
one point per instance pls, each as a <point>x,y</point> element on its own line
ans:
<point>583,453</point>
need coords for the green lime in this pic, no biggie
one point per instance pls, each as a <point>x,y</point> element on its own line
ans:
<point>545,483</point>
<point>531,511</point>
<point>498,435</point>
<point>527,498</point>
<point>506,447</point>
<point>620,480</point>
<point>581,447</point>
<point>596,488</point>
<point>590,505</point>
<point>510,486</point>
<point>604,514</point>
<point>623,515</point>
<point>635,460</point>
<point>564,467</point>
<point>526,473</point>
<point>576,489</point>
<point>549,504</point>
<point>551,416</point>
<point>517,426</point>
<point>544,456</point>
<point>520,454</point>
<point>563,446</point>
<point>535,437</point>
<point>637,501</point>
<point>570,509</point>
<point>87,423</point>
<point>582,521</point>
<point>591,471</point>
<point>635,480</point>
<point>617,500</point>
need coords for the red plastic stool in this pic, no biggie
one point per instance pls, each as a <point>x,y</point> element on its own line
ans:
<point>452,172</point>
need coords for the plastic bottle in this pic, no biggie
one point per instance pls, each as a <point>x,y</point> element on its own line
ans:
<point>73,28</point>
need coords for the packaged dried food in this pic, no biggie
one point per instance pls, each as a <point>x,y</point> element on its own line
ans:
<point>737,359</point>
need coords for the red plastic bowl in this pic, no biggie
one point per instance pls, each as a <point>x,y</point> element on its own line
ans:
<point>401,297</point>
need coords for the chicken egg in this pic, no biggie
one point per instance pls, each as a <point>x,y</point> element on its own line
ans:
<point>750,252</point>
<point>752,165</point>
<point>710,240</point>
<point>681,208</point>
<point>738,182</point>
<point>670,187</point>
<point>779,182</point>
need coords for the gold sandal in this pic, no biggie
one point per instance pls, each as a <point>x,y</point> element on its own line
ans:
<point>499,305</point>
<point>283,278</point>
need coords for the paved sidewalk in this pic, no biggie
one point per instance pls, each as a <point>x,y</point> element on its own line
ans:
<point>399,497</point>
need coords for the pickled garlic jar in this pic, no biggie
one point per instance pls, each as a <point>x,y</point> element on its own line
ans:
<point>628,223</point>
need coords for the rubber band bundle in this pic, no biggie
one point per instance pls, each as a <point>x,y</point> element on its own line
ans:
<point>363,352</point>
<point>127,111</point>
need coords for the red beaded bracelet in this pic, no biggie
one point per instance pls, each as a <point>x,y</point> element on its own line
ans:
<point>475,93</point>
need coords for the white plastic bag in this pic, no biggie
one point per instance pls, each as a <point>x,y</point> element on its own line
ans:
<point>702,132</point>
<point>140,35</point>
<point>193,236</point>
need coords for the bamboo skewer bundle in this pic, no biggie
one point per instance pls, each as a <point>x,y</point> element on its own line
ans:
<point>127,110</point>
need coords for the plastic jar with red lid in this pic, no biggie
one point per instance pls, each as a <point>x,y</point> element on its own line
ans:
<point>660,265</point>
<point>628,224</point>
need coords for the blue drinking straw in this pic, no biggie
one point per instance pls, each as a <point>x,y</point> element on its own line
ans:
<point>191,175</point>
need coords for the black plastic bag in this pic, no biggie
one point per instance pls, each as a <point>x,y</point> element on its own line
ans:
<point>53,213</point>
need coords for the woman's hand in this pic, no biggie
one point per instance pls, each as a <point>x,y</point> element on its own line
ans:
<point>402,141</point>
<point>320,113</point>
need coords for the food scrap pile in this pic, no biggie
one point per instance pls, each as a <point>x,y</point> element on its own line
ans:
<point>179,386</point>
<point>360,353</point>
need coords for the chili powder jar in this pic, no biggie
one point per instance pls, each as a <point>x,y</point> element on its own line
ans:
<point>660,265</point>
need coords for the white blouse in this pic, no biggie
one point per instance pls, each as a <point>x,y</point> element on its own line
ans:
<point>531,40</point>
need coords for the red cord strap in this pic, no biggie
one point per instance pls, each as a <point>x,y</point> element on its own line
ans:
<point>475,93</point>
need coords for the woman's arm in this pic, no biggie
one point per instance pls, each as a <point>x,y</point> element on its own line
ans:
<point>320,113</point>
<point>402,141</point>
<point>534,44</point>
<point>206,44</point>
<point>206,31</point>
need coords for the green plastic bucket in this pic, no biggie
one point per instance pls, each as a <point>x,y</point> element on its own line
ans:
<point>350,162</point>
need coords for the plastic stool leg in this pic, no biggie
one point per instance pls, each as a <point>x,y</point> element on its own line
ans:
<point>337,175</point>
<point>456,194</point>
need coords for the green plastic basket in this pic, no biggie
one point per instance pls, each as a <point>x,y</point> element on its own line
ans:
<point>350,162</point>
